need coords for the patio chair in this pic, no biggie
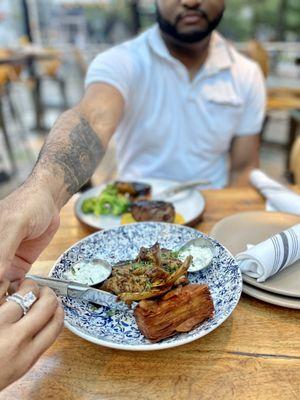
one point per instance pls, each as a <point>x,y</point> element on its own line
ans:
<point>41,71</point>
<point>50,69</point>
<point>6,72</point>
<point>9,75</point>
<point>256,51</point>
<point>293,162</point>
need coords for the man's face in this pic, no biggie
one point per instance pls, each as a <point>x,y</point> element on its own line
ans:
<point>189,21</point>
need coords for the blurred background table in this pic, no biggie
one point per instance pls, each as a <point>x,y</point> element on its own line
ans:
<point>254,355</point>
<point>282,98</point>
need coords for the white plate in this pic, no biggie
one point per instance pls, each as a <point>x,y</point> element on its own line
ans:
<point>190,204</point>
<point>119,330</point>
<point>238,230</point>
<point>272,298</point>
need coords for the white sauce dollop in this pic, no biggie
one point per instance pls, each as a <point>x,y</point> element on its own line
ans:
<point>202,256</point>
<point>87,273</point>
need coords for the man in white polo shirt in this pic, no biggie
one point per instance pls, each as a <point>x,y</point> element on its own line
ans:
<point>192,106</point>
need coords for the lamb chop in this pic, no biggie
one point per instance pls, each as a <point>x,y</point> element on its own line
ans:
<point>152,273</point>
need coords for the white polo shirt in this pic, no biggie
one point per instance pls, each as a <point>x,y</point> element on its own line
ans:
<point>175,128</point>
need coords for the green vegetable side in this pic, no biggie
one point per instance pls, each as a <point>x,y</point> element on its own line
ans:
<point>109,202</point>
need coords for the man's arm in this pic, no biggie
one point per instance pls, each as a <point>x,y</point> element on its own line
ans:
<point>29,216</point>
<point>244,156</point>
<point>77,142</point>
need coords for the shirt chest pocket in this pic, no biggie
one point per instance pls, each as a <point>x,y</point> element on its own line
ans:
<point>222,108</point>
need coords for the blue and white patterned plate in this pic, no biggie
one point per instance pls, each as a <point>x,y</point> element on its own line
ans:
<point>118,329</point>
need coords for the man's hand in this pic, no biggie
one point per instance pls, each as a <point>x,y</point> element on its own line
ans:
<point>28,221</point>
<point>24,338</point>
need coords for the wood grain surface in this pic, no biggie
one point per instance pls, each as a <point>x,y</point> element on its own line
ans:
<point>254,355</point>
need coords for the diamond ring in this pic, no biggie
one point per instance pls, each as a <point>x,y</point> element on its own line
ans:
<point>25,302</point>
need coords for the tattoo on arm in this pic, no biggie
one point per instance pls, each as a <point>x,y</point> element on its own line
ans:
<point>76,156</point>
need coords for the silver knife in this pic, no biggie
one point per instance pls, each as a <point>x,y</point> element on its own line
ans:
<point>80,292</point>
<point>179,188</point>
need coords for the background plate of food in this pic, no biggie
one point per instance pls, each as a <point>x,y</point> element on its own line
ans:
<point>159,284</point>
<point>117,203</point>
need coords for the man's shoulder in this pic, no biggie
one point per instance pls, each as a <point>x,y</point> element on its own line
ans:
<point>245,74</point>
<point>242,62</point>
<point>121,63</point>
<point>242,65</point>
<point>133,48</point>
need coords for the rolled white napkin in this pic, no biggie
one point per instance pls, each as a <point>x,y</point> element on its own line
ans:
<point>271,256</point>
<point>279,197</point>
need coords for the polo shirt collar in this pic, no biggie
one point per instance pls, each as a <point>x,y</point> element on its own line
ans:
<point>220,56</point>
<point>157,44</point>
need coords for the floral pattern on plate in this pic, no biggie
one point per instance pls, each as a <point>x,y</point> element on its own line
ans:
<point>118,329</point>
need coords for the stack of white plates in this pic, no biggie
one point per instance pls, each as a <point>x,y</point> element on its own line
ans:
<point>238,230</point>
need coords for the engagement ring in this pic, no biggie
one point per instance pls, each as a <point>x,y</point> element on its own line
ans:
<point>25,302</point>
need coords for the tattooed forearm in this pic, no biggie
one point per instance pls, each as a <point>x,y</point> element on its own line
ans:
<point>72,149</point>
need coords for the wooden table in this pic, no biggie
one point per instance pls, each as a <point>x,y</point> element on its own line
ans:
<point>19,58</point>
<point>12,60</point>
<point>254,355</point>
<point>283,98</point>
<point>283,103</point>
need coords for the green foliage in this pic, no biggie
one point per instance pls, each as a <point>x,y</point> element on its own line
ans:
<point>244,19</point>
<point>273,19</point>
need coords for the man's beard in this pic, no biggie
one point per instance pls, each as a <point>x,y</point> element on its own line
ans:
<point>193,37</point>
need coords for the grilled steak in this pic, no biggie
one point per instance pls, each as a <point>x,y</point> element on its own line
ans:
<point>146,210</point>
<point>180,310</point>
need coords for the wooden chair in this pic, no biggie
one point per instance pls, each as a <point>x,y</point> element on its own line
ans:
<point>7,72</point>
<point>45,66</point>
<point>281,98</point>
<point>50,69</point>
<point>258,53</point>
<point>9,75</point>
<point>294,166</point>
<point>255,50</point>
<point>293,162</point>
